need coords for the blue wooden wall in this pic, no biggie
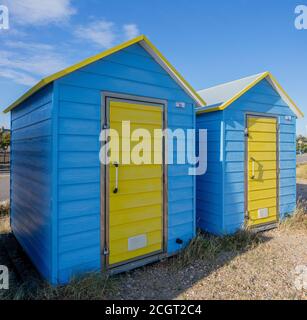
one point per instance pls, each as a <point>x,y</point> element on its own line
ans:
<point>262,99</point>
<point>31,183</point>
<point>130,71</point>
<point>209,194</point>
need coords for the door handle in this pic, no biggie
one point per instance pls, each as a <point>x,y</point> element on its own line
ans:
<point>115,190</point>
<point>253,168</point>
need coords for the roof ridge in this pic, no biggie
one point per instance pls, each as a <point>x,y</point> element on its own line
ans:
<point>228,100</point>
<point>232,81</point>
<point>144,42</point>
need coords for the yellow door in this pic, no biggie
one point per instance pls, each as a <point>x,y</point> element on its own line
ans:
<point>262,170</point>
<point>135,217</point>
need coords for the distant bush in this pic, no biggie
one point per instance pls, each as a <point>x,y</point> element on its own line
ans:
<point>4,208</point>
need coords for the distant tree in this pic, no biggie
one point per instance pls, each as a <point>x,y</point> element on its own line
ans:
<point>5,140</point>
<point>301,143</point>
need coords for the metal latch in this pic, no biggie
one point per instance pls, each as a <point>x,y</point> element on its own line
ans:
<point>246,132</point>
<point>106,251</point>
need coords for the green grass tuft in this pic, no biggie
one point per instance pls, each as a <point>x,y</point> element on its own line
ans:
<point>207,247</point>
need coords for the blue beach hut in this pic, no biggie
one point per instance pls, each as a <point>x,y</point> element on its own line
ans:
<point>251,174</point>
<point>72,214</point>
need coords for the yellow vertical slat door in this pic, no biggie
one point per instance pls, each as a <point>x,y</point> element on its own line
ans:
<point>262,171</point>
<point>136,209</point>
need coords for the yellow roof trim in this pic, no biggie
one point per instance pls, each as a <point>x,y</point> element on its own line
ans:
<point>247,88</point>
<point>209,110</point>
<point>285,93</point>
<point>104,54</point>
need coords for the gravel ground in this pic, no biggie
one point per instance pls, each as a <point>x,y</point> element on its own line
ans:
<point>265,272</point>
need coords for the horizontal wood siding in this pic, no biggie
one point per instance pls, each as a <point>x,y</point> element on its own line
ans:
<point>31,178</point>
<point>209,194</point>
<point>262,99</point>
<point>130,71</point>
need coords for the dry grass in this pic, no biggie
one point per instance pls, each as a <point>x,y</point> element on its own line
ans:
<point>4,217</point>
<point>208,247</point>
<point>93,286</point>
<point>301,171</point>
<point>5,224</point>
<point>298,221</point>
<point>197,269</point>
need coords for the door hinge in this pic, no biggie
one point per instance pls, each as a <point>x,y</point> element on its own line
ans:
<point>246,216</point>
<point>246,132</point>
<point>105,126</point>
<point>106,251</point>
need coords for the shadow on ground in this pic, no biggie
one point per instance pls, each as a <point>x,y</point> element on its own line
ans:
<point>169,279</point>
<point>164,280</point>
<point>21,269</point>
<point>301,190</point>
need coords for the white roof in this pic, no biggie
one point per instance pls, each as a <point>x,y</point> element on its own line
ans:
<point>221,96</point>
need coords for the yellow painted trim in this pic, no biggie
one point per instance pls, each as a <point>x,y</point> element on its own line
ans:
<point>209,110</point>
<point>238,95</point>
<point>97,57</point>
<point>177,74</point>
<point>242,92</point>
<point>285,93</point>
<point>70,69</point>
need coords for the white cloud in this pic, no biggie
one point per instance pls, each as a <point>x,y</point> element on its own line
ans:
<point>27,45</point>
<point>105,34</point>
<point>39,64</point>
<point>40,12</point>
<point>26,62</point>
<point>18,77</point>
<point>101,33</point>
<point>131,30</point>
<point>30,62</point>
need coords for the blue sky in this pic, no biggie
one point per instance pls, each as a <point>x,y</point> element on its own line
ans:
<point>209,42</point>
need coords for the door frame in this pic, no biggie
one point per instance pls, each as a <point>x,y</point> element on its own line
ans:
<point>261,226</point>
<point>106,97</point>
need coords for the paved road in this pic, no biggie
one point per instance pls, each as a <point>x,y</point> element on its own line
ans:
<point>301,158</point>
<point>4,186</point>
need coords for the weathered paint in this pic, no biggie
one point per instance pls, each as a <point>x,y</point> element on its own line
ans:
<point>67,229</point>
<point>221,191</point>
